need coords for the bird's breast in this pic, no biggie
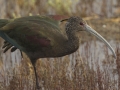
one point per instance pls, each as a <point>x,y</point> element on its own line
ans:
<point>54,51</point>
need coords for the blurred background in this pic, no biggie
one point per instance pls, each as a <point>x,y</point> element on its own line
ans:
<point>102,8</point>
<point>90,68</point>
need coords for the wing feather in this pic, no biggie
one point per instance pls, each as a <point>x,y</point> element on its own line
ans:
<point>33,32</point>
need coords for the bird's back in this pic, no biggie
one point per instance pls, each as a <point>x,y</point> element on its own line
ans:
<point>3,22</point>
<point>33,34</point>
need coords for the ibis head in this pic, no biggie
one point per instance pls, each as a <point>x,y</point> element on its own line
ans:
<point>76,24</point>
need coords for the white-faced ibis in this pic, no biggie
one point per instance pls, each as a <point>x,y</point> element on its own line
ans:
<point>42,37</point>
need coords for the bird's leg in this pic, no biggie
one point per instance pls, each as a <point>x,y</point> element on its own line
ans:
<point>36,77</point>
<point>21,54</point>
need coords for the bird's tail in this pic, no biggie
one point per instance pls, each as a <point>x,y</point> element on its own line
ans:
<point>3,22</point>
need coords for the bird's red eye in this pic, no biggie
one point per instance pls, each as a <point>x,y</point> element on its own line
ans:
<point>81,23</point>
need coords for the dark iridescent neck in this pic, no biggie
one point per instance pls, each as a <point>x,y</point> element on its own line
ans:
<point>72,33</point>
<point>73,40</point>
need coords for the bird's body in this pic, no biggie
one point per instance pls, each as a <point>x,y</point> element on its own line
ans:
<point>39,37</point>
<point>42,37</point>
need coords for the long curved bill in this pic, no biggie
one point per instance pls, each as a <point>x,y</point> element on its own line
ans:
<point>92,31</point>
